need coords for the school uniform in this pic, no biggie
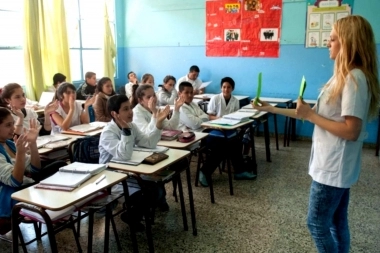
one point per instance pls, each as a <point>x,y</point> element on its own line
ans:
<point>196,83</point>
<point>8,184</point>
<point>75,120</point>
<point>335,161</point>
<point>165,97</point>
<point>100,108</point>
<point>147,123</point>
<point>192,117</point>
<point>218,107</point>
<point>128,89</point>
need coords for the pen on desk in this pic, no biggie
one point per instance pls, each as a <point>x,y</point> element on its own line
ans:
<point>100,179</point>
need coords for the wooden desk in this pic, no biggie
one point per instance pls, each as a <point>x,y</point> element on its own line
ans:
<point>47,199</point>
<point>174,156</point>
<point>181,145</point>
<point>224,129</point>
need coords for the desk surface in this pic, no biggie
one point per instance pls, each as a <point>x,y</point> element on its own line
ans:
<point>174,155</point>
<point>225,127</point>
<point>276,100</point>
<point>181,145</point>
<point>249,106</point>
<point>58,200</point>
<point>208,96</point>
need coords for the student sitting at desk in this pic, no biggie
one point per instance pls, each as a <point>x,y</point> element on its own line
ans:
<point>118,139</point>
<point>147,79</point>
<point>18,169</point>
<point>88,88</point>
<point>192,77</point>
<point>132,81</point>
<point>192,117</point>
<point>13,97</point>
<point>166,94</point>
<point>58,78</point>
<point>225,103</point>
<point>147,107</point>
<point>70,112</point>
<point>105,91</point>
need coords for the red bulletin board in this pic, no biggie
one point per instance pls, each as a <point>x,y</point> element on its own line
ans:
<point>243,28</point>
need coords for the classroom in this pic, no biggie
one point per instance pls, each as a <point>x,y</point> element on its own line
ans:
<point>167,37</point>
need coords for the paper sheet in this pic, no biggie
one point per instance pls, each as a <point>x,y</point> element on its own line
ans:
<point>204,85</point>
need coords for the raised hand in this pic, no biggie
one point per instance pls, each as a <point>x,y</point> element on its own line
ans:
<point>17,112</point>
<point>89,101</point>
<point>122,123</point>
<point>152,104</point>
<point>51,107</point>
<point>178,103</point>
<point>262,105</point>
<point>32,133</point>
<point>21,143</point>
<point>162,114</point>
<point>72,102</point>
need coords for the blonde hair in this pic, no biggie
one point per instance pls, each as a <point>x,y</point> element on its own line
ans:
<point>357,50</point>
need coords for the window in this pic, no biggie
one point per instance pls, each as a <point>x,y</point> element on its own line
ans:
<point>12,66</point>
<point>85,30</point>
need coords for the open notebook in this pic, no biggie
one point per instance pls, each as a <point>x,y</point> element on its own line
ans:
<point>73,174</point>
<point>85,128</point>
<point>232,118</point>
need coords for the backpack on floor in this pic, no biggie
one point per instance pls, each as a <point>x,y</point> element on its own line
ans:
<point>85,150</point>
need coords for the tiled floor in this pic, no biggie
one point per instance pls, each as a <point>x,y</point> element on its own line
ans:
<point>266,215</point>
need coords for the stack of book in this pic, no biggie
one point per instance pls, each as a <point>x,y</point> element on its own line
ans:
<point>232,118</point>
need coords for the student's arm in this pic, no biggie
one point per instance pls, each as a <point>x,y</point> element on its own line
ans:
<point>85,115</point>
<point>139,118</point>
<point>19,123</point>
<point>64,123</point>
<point>146,140</point>
<point>119,147</point>
<point>212,109</point>
<point>190,120</point>
<point>19,166</point>
<point>49,109</point>
<point>266,107</point>
<point>9,172</point>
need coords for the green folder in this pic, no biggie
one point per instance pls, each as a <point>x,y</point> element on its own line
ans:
<point>302,89</point>
<point>258,93</point>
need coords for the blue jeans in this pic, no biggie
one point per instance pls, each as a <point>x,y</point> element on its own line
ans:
<point>327,218</point>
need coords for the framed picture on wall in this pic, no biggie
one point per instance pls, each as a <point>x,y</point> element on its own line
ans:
<point>325,36</point>
<point>328,21</point>
<point>313,39</point>
<point>315,21</point>
<point>340,15</point>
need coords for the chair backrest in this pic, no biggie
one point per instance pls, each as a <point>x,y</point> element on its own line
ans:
<point>85,150</point>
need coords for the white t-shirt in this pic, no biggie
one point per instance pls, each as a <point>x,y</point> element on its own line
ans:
<point>335,161</point>
<point>217,105</point>
<point>30,114</point>
<point>76,116</point>
<point>196,83</point>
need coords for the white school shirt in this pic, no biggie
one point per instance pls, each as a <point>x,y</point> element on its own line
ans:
<point>165,97</point>
<point>30,114</point>
<point>192,117</point>
<point>75,120</point>
<point>335,161</point>
<point>114,143</point>
<point>147,123</point>
<point>217,105</point>
<point>196,83</point>
<point>128,89</point>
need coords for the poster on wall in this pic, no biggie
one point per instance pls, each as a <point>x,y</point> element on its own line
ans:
<point>243,28</point>
<point>321,15</point>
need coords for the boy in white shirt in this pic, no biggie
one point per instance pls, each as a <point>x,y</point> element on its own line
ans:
<point>117,141</point>
<point>192,117</point>
<point>132,81</point>
<point>192,77</point>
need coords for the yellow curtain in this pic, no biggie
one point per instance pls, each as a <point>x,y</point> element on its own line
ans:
<point>109,48</point>
<point>46,47</point>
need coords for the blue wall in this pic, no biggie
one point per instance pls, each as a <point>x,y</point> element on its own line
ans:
<point>168,36</point>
